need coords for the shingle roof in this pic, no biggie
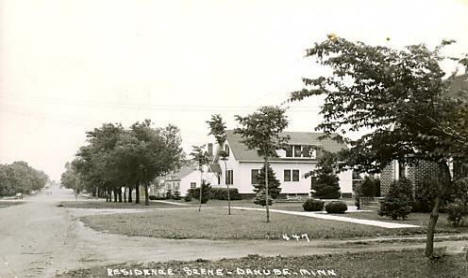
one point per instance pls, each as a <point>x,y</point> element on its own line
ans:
<point>242,153</point>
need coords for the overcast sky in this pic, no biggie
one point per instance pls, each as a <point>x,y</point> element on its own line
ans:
<point>69,66</point>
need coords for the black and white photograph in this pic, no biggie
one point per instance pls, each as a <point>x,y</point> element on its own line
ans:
<point>233,138</point>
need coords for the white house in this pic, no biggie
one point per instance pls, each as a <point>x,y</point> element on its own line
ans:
<point>300,157</point>
<point>188,176</point>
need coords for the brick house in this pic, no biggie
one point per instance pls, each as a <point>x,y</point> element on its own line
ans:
<point>426,169</point>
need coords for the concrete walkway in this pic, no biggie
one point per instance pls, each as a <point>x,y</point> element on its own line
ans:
<point>169,202</point>
<point>321,215</point>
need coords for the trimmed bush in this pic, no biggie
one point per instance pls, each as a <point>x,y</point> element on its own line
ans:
<point>336,207</point>
<point>313,205</point>
<point>152,197</point>
<point>397,203</point>
<point>456,212</point>
<point>221,194</point>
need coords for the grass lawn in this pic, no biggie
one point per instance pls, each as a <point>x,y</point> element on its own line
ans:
<point>213,223</point>
<point>4,204</point>
<point>100,204</point>
<point>365,265</point>
<point>415,218</point>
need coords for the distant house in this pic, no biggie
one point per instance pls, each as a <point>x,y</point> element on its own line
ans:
<point>240,168</point>
<point>188,176</point>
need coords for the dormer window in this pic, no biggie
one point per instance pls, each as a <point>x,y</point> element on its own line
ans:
<point>297,151</point>
<point>300,151</point>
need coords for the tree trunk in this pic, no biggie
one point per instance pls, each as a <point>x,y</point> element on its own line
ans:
<point>266,191</point>
<point>137,195</point>
<point>146,195</point>
<point>429,252</point>
<point>201,186</point>
<point>120,194</point>
<point>115,195</point>
<point>130,189</point>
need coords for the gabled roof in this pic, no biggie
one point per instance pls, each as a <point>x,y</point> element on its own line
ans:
<point>185,170</point>
<point>242,153</point>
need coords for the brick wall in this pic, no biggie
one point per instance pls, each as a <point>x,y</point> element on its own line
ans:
<point>386,178</point>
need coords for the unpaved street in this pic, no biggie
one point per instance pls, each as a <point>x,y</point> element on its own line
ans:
<point>39,239</point>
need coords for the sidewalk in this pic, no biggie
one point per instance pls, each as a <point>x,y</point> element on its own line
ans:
<point>321,215</point>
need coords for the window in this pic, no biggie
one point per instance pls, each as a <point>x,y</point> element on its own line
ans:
<point>297,150</point>
<point>229,177</point>
<point>300,151</point>
<point>226,150</point>
<point>254,175</point>
<point>287,175</point>
<point>295,175</point>
<point>193,185</point>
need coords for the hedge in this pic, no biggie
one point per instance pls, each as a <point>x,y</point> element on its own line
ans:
<point>336,207</point>
<point>313,205</point>
<point>221,194</point>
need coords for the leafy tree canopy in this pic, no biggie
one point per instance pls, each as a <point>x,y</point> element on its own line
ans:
<point>400,96</point>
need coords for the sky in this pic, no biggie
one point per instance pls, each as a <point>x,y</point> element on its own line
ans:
<point>69,66</point>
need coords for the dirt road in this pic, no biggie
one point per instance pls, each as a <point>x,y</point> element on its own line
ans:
<point>39,239</point>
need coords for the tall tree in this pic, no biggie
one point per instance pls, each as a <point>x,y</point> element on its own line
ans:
<point>158,152</point>
<point>200,155</point>
<point>261,131</point>
<point>218,130</point>
<point>398,97</point>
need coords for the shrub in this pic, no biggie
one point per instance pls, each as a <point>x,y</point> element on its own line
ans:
<point>221,194</point>
<point>336,207</point>
<point>313,205</point>
<point>206,193</point>
<point>422,205</point>
<point>370,187</point>
<point>169,194</point>
<point>188,198</point>
<point>397,202</point>
<point>152,197</point>
<point>456,212</point>
<point>176,195</point>
<point>395,208</point>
